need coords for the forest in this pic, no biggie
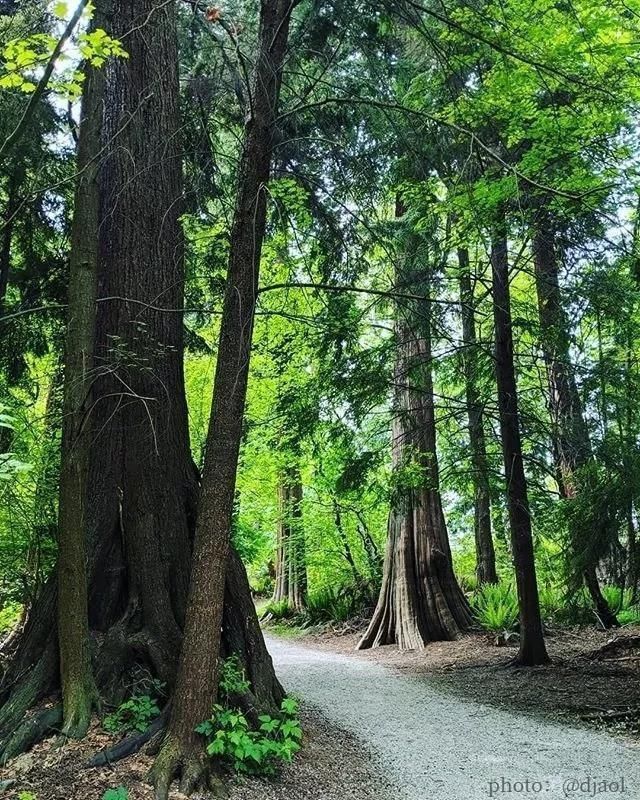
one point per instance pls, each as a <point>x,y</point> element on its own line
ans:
<point>319,399</point>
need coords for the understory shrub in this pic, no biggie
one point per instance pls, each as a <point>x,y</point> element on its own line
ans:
<point>253,752</point>
<point>339,604</point>
<point>136,714</point>
<point>495,607</point>
<point>278,610</point>
<point>119,793</point>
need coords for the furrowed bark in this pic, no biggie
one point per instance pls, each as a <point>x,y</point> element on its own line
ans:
<point>532,646</point>
<point>79,692</point>
<point>196,685</point>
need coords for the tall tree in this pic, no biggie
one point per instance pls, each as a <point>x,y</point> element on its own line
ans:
<point>532,646</point>
<point>485,551</point>
<point>79,692</point>
<point>420,600</point>
<point>197,681</point>
<point>572,448</point>
<point>291,569</point>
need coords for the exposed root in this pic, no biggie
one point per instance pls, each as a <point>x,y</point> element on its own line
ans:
<point>187,762</point>
<point>129,745</point>
<point>32,730</point>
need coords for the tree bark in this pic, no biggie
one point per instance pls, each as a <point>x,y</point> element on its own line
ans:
<point>532,646</point>
<point>197,680</point>
<point>485,551</point>
<point>420,599</point>
<point>6,231</point>
<point>291,570</point>
<point>572,447</point>
<point>76,676</point>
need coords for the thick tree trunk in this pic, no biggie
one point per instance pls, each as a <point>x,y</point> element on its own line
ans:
<point>197,681</point>
<point>572,448</point>
<point>291,569</point>
<point>142,486</point>
<point>420,600</point>
<point>532,646</point>
<point>76,675</point>
<point>485,551</point>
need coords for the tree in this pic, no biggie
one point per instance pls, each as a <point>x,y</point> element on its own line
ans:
<point>79,692</point>
<point>196,685</point>
<point>485,551</point>
<point>420,600</point>
<point>532,647</point>
<point>291,569</point>
<point>572,448</point>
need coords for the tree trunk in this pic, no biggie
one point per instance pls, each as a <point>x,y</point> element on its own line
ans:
<point>420,599</point>
<point>485,551</point>
<point>76,675</point>
<point>6,231</point>
<point>291,570</point>
<point>572,448</point>
<point>532,646</point>
<point>344,541</point>
<point>142,485</point>
<point>196,686</point>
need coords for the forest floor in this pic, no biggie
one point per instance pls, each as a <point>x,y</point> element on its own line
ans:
<point>49,772</point>
<point>440,724</point>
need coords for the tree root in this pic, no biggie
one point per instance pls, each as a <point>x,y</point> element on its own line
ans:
<point>30,732</point>
<point>189,763</point>
<point>129,745</point>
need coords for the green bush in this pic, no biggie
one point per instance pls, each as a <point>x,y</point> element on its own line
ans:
<point>629,616</point>
<point>495,607</point>
<point>233,680</point>
<point>120,793</point>
<point>278,610</point>
<point>330,605</point>
<point>254,752</point>
<point>136,714</point>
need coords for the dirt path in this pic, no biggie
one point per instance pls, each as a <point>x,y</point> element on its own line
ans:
<point>434,746</point>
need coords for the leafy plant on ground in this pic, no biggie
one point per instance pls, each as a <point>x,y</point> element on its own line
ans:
<point>233,680</point>
<point>253,752</point>
<point>121,793</point>
<point>136,714</point>
<point>278,609</point>
<point>495,607</point>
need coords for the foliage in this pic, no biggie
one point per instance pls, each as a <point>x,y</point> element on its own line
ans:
<point>23,57</point>
<point>255,752</point>
<point>120,793</point>
<point>135,714</point>
<point>233,680</point>
<point>495,607</point>
<point>9,616</point>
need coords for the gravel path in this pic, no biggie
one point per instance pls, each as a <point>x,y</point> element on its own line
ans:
<point>434,746</point>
